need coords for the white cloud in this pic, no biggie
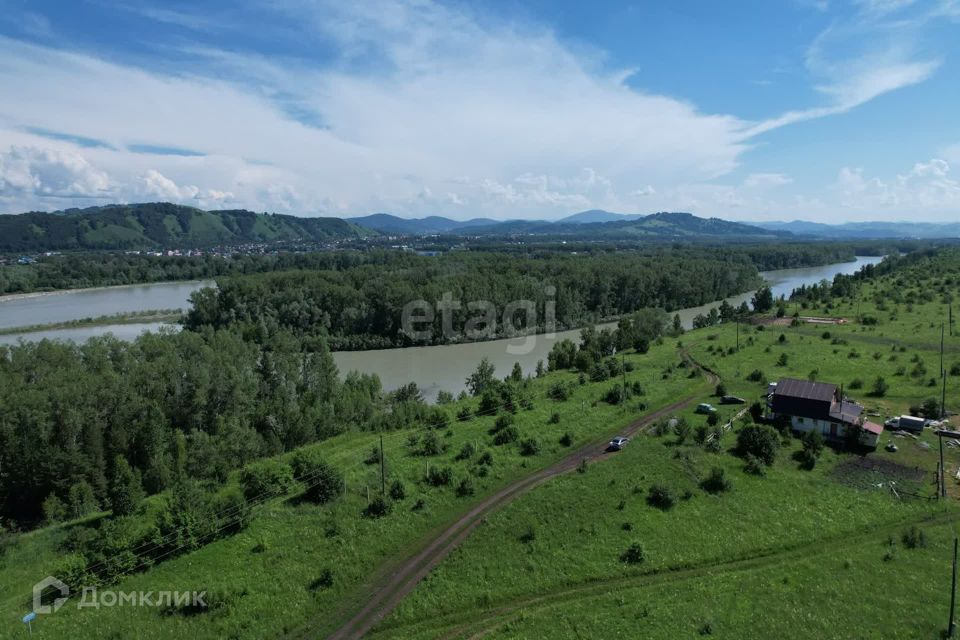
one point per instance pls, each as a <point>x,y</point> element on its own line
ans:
<point>455,114</point>
<point>927,187</point>
<point>50,172</point>
<point>765,180</point>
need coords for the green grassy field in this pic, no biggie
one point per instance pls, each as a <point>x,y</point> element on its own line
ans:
<point>567,537</point>
<point>794,553</point>
<point>267,575</point>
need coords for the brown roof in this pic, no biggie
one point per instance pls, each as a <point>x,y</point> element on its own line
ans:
<point>794,388</point>
<point>872,427</point>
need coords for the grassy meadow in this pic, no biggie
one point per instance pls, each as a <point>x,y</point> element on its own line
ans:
<point>298,561</point>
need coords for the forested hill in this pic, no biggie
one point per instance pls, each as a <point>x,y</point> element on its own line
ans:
<point>161,225</point>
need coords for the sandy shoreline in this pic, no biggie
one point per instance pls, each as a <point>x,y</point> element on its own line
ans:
<point>10,297</point>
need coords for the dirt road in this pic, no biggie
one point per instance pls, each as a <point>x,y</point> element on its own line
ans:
<point>390,589</point>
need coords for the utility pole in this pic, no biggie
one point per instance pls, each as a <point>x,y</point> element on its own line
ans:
<point>942,372</point>
<point>943,397</point>
<point>943,484</point>
<point>738,334</point>
<point>951,626</point>
<point>383,477</point>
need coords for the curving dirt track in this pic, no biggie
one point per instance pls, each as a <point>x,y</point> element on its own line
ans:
<point>387,591</point>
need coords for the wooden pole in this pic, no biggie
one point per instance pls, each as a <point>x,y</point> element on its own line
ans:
<point>383,478</point>
<point>951,626</point>
<point>943,485</point>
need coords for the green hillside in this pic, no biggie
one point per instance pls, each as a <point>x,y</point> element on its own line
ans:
<point>161,225</point>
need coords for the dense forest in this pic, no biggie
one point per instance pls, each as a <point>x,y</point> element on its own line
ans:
<point>160,225</point>
<point>99,269</point>
<point>363,307</point>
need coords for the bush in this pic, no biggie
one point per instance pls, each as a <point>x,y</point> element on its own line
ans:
<point>466,452</point>
<point>506,436</point>
<point>373,456</point>
<point>377,508</point>
<point>529,447</point>
<point>266,477</point>
<point>756,376</point>
<point>431,445</point>
<point>554,418</point>
<point>486,459</point>
<point>721,390</point>
<point>914,538</point>
<point>614,395</point>
<point>682,430</point>
<point>528,536</point>
<point>880,387</point>
<point>635,554</point>
<point>397,490</point>
<point>713,419</point>
<point>502,422</point>
<point>566,439</point>
<point>783,360</point>
<point>465,487</point>
<point>559,391</point>
<point>464,414</point>
<point>661,497</point>
<point>323,482</point>
<point>439,476</point>
<point>716,482</point>
<point>759,440</point>
<point>754,465</point>
<point>856,383</point>
<point>700,434</point>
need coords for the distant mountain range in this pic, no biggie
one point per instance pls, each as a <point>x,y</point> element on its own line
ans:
<point>865,230</point>
<point>595,223</point>
<point>395,225</point>
<point>165,225</point>
<point>161,225</point>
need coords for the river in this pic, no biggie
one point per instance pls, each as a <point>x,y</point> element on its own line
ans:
<point>432,368</point>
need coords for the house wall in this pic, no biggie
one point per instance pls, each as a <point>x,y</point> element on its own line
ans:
<point>803,425</point>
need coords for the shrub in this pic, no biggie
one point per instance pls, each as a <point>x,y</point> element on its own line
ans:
<point>700,434</point>
<point>756,376</point>
<point>466,452</point>
<point>914,538</point>
<point>506,436</point>
<point>266,477</point>
<point>713,419</point>
<point>529,447</point>
<point>323,482</point>
<point>682,430</point>
<point>566,439</point>
<point>486,459</point>
<point>54,510</point>
<point>880,387</point>
<point>635,554</point>
<point>614,395</point>
<point>554,418</point>
<point>783,360</point>
<point>502,422</point>
<point>373,456</point>
<point>716,482</point>
<point>754,465</point>
<point>464,414</point>
<point>528,536</point>
<point>660,497</point>
<point>397,490</point>
<point>377,508</point>
<point>323,581</point>
<point>559,391</point>
<point>856,383</point>
<point>430,445</point>
<point>465,487</point>
<point>759,440</point>
<point>439,476</point>
<point>721,390</point>
<point>582,467</point>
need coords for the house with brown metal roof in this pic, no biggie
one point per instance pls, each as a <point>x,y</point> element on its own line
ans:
<point>818,406</point>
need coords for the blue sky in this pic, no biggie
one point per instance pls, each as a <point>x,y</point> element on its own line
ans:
<point>824,110</point>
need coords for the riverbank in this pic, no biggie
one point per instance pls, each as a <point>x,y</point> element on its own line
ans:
<point>167,316</point>
<point>10,297</point>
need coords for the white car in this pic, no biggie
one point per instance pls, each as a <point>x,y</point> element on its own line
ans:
<point>618,443</point>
